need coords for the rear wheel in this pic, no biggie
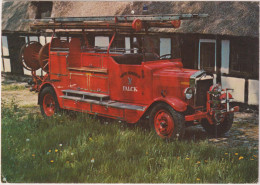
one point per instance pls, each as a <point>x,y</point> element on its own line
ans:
<point>167,123</point>
<point>218,129</point>
<point>49,104</point>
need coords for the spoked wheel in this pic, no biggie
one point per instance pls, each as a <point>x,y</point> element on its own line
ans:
<point>167,122</point>
<point>48,102</point>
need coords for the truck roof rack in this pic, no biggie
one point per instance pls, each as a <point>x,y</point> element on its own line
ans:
<point>122,22</point>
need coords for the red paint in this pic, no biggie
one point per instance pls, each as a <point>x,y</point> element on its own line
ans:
<point>163,124</point>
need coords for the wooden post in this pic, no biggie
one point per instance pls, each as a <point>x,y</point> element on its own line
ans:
<point>218,59</point>
<point>15,43</point>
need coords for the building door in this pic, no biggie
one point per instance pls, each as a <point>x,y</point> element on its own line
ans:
<point>207,55</point>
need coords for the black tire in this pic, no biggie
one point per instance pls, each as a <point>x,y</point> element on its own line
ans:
<point>164,128</point>
<point>47,108</point>
<point>220,129</point>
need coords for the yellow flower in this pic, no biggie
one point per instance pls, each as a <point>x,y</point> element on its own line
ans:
<point>187,158</point>
<point>226,153</point>
<point>146,153</point>
<point>50,151</point>
<point>52,161</point>
<point>198,179</point>
<point>67,162</point>
<point>236,153</point>
<point>206,161</point>
<point>251,159</point>
<point>33,155</point>
<point>56,150</point>
<point>255,156</point>
<point>198,162</point>
<point>90,139</point>
<point>241,157</point>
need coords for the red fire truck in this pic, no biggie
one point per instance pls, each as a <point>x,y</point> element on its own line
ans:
<point>130,86</point>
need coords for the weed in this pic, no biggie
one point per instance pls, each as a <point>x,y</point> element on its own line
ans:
<point>81,149</point>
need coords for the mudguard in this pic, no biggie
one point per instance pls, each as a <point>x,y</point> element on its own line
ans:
<point>176,103</point>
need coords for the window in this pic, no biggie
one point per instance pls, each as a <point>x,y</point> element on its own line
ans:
<point>207,55</point>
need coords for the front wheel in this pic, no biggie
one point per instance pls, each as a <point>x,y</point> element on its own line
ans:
<point>218,129</point>
<point>167,123</point>
<point>49,104</point>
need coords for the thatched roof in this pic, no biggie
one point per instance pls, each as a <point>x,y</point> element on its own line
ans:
<point>226,18</point>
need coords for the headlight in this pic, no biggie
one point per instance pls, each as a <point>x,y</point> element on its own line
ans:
<point>188,92</point>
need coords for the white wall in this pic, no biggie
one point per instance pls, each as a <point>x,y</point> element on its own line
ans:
<point>127,44</point>
<point>253,92</point>
<point>6,65</point>
<point>101,41</point>
<point>165,46</point>
<point>238,84</point>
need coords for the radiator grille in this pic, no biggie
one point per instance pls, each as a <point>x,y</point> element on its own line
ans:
<point>201,92</point>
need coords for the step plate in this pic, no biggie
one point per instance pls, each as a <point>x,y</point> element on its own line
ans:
<point>108,103</point>
<point>85,93</point>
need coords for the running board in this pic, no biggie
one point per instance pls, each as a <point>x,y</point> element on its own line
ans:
<point>84,95</point>
<point>107,103</point>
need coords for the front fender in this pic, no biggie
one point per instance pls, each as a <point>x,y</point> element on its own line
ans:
<point>176,103</point>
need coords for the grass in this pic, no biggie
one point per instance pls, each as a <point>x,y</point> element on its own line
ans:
<point>84,149</point>
<point>12,87</point>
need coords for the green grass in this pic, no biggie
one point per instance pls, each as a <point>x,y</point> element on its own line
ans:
<point>12,87</point>
<point>89,150</point>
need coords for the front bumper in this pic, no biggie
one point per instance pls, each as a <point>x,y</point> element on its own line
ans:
<point>218,103</point>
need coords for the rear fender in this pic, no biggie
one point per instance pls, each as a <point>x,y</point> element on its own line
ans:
<point>46,84</point>
<point>175,103</point>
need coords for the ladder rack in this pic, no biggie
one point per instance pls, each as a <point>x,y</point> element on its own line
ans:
<point>122,22</point>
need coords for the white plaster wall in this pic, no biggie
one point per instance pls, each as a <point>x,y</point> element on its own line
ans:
<point>127,44</point>
<point>7,64</point>
<point>165,46</point>
<point>101,41</point>
<point>34,38</point>
<point>253,92</point>
<point>238,84</point>
<point>215,79</point>
<point>42,40</point>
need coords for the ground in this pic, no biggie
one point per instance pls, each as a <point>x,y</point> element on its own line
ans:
<point>244,132</point>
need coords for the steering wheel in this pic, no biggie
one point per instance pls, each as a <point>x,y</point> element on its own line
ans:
<point>166,56</point>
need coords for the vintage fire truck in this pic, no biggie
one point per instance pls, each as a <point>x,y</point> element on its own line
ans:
<point>128,86</point>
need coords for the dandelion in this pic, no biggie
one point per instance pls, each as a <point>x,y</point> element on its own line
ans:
<point>187,158</point>
<point>90,139</point>
<point>92,160</point>
<point>226,153</point>
<point>27,140</point>
<point>198,179</point>
<point>255,156</point>
<point>236,153</point>
<point>67,162</point>
<point>33,155</point>
<point>49,151</point>
<point>251,159</point>
<point>56,150</point>
<point>198,162</point>
<point>60,145</point>
<point>241,157</point>
<point>52,161</point>
<point>146,153</point>
<point>72,153</point>
<point>206,161</point>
